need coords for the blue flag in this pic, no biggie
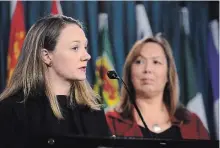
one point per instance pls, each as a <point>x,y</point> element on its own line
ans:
<point>213,56</point>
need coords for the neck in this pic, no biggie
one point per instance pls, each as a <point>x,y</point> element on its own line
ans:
<point>58,85</point>
<point>154,105</point>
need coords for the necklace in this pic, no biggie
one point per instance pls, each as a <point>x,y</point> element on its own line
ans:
<point>156,128</point>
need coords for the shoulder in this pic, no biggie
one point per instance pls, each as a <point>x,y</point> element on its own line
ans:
<point>193,116</point>
<point>114,116</point>
<point>195,119</point>
<point>12,111</point>
<point>195,124</point>
<point>188,118</point>
<point>183,115</point>
<point>121,126</point>
<point>11,102</point>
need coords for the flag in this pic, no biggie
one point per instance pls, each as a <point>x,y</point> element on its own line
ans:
<point>213,56</point>
<point>143,24</point>
<point>109,89</point>
<point>193,98</point>
<point>17,35</point>
<point>4,29</point>
<point>117,24</point>
<point>92,34</point>
<point>130,31</point>
<point>56,8</point>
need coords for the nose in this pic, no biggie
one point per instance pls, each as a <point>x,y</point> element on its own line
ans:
<point>86,56</point>
<point>148,67</point>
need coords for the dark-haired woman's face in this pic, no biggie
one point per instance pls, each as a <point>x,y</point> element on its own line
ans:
<point>149,70</point>
<point>70,57</point>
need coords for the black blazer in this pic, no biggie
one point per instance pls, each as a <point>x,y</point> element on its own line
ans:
<point>20,121</point>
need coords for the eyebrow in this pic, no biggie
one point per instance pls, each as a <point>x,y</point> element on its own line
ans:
<point>155,57</point>
<point>79,41</point>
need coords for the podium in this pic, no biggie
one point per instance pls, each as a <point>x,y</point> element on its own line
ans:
<point>116,142</point>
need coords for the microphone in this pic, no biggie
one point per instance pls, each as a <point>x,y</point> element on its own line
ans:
<point>113,75</point>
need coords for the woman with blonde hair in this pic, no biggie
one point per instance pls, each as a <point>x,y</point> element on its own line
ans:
<point>151,76</point>
<point>48,93</point>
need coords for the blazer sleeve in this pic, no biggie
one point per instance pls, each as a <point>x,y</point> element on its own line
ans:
<point>202,131</point>
<point>12,130</point>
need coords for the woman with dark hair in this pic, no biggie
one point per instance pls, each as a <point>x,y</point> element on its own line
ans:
<point>151,76</point>
<point>48,93</point>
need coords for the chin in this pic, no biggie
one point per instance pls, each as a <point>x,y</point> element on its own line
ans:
<point>79,78</point>
<point>147,87</point>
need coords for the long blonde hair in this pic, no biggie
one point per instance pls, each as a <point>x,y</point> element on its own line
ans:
<point>29,73</point>
<point>171,91</point>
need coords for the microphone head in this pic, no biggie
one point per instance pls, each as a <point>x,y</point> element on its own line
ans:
<point>112,74</point>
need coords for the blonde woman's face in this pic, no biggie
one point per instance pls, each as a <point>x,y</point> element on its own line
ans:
<point>70,57</point>
<point>149,70</point>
